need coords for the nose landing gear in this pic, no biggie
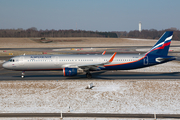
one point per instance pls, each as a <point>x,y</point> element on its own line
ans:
<point>88,75</point>
<point>23,74</point>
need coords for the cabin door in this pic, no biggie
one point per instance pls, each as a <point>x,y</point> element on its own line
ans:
<point>100,60</point>
<point>146,60</point>
<point>56,60</point>
<point>21,60</point>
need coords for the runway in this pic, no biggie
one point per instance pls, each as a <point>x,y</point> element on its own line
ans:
<point>118,76</point>
<point>90,115</point>
<point>91,50</point>
<point>7,75</point>
<point>115,47</point>
<point>58,75</point>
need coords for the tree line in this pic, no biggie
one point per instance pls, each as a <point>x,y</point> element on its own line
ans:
<point>33,32</point>
<point>148,34</point>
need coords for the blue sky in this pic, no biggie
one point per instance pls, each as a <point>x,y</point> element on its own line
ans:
<point>100,15</point>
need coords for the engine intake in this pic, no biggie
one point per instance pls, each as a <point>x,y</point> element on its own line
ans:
<point>72,71</point>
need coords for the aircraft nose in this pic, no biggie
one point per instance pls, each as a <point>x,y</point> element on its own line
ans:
<point>5,65</point>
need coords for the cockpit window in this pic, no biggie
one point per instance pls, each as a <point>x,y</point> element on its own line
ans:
<point>11,60</point>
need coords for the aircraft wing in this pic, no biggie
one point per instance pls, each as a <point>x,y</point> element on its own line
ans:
<point>91,66</point>
<point>94,66</point>
<point>97,65</point>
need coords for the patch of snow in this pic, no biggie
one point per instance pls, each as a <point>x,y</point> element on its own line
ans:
<point>109,96</point>
<point>2,61</point>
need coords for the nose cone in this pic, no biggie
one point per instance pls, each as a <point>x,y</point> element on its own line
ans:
<point>5,65</point>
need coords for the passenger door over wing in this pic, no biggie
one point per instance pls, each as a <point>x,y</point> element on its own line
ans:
<point>56,60</point>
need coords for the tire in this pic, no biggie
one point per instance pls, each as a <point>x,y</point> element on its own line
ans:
<point>88,75</point>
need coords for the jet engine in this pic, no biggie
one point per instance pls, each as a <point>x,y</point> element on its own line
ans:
<point>72,71</point>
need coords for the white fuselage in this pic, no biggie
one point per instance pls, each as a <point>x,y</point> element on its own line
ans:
<point>57,62</point>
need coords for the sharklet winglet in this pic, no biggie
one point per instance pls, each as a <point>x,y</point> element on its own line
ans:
<point>104,53</point>
<point>112,57</point>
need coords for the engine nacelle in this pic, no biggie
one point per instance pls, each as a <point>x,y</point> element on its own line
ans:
<point>72,71</point>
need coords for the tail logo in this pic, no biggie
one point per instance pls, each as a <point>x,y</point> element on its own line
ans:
<point>161,45</point>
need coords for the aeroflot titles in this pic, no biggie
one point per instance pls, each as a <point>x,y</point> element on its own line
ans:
<point>40,56</point>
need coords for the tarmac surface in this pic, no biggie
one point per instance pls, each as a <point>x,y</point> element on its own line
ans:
<point>8,75</point>
<point>39,49</point>
<point>89,50</point>
<point>91,115</point>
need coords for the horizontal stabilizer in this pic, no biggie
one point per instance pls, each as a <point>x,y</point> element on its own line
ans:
<point>163,59</point>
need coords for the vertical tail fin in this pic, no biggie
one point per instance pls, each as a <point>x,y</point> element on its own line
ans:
<point>162,46</point>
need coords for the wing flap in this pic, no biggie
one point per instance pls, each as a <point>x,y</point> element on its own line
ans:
<point>97,65</point>
<point>93,66</point>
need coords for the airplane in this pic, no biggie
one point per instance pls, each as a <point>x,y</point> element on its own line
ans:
<point>72,65</point>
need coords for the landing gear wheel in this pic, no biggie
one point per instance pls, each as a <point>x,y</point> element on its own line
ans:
<point>23,74</point>
<point>88,75</point>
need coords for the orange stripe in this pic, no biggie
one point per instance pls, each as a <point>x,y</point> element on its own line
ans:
<point>125,63</point>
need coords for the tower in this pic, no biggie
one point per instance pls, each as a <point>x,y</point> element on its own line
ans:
<point>139,26</point>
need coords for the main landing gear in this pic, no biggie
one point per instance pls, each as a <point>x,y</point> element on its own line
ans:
<point>23,74</point>
<point>88,75</point>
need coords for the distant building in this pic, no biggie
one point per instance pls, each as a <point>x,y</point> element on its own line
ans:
<point>140,27</point>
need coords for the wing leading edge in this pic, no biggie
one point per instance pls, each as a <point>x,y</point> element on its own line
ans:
<point>95,66</point>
